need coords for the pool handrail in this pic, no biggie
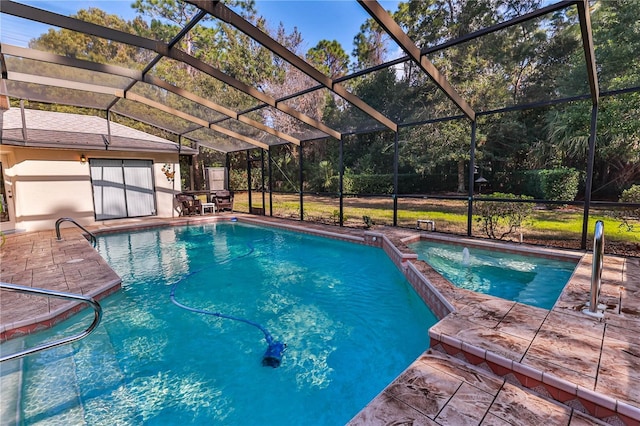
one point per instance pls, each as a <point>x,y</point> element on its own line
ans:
<point>62,295</point>
<point>69,219</point>
<point>596,272</point>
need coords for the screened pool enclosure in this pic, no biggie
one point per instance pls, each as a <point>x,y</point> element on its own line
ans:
<point>444,111</point>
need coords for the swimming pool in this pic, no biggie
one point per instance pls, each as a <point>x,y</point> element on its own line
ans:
<point>531,280</point>
<point>350,320</point>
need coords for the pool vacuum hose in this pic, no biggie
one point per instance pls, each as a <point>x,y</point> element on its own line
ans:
<point>272,356</point>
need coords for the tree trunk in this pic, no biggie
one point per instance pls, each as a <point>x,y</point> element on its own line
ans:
<point>461,176</point>
<point>197,175</point>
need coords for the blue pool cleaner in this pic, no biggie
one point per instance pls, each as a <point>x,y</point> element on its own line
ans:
<point>273,355</point>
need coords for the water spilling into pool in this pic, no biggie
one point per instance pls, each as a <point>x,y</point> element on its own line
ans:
<point>531,280</point>
<point>465,256</point>
<point>350,320</point>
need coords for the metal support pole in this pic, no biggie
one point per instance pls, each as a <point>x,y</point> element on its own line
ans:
<point>301,182</point>
<point>249,178</point>
<point>262,175</point>
<point>340,181</point>
<point>270,183</point>
<point>227,164</point>
<point>173,182</point>
<point>589,183</point>
<point>192,170</point>
<point>24,121</point>
<point>472,164</point>
<point>396,159</point>
<point>109,126</point>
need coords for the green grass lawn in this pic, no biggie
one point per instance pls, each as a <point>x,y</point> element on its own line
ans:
<point>450,216</point>
<point>569,223</point>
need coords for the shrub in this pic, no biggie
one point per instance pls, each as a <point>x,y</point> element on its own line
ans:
<point>334,183</point>
<point>551,184</point>
<point>528,183</point>
<point>408,183</point>
<point>498,219</point>
<point>372,184</point>
<point>560,184</point>
<point>238,180</point>
<point>335,216</point>
<point>628,214</point>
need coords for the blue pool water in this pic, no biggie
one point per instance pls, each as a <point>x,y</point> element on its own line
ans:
<point>350,320</point>
<point>531,280</point>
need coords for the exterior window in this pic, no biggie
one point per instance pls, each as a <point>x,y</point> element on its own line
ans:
<point>122,188</point>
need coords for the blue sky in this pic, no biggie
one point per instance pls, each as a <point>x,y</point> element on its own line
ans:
<point>327,19</point>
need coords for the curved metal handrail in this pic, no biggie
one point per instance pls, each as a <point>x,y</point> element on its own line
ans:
<point>596,272</point>
<point>52,293</point>
<point>69,219</point>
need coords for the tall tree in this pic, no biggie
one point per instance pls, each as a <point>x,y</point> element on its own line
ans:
<point>617,43</point>
<point>329,57</point>
<point>370,45</point>
<point>92,48</point>
<point>430,23</point>
<point>493,71</point>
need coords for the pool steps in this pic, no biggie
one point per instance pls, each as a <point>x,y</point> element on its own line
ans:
<point>11,389</point>
<point>62,389</point>
<point>65,392</point>
<point>113,376</point>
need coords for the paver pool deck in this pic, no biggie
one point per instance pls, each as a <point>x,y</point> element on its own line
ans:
<point>491,361</point>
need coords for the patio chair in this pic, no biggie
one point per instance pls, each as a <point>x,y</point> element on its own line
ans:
<point>189,205</point>
<point>223,200</point>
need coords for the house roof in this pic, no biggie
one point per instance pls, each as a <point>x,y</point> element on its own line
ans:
<point>47,129</point>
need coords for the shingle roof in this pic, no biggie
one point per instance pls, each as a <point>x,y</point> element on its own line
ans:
<point>47,129</point>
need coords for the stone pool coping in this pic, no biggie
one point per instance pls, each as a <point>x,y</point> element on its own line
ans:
<point>519,345</point>
<point>537,349</point>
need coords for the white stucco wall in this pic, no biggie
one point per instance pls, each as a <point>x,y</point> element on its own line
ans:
<point>48,184</point>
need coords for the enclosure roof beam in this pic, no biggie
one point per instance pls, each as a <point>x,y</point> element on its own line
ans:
<point>137,76</point>
<point>501,26</point>
<point>227,15</point>
<point>66,84</point>
<point>426,50</point>
<point>388,24</point>
<point>196,120</point>
<point>57,82</point>
<point>39,15</point>
<point>589,52</point>
<point>52,58</point>
<point>215,73</point>
<point>50,18</point>
<point>132,117</point>
<point>219,108</point>
<point>176,39</point>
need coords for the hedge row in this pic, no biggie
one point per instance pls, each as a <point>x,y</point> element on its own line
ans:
<point>562,184</point>
<point>383,184</point>
<point>548,184</point>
